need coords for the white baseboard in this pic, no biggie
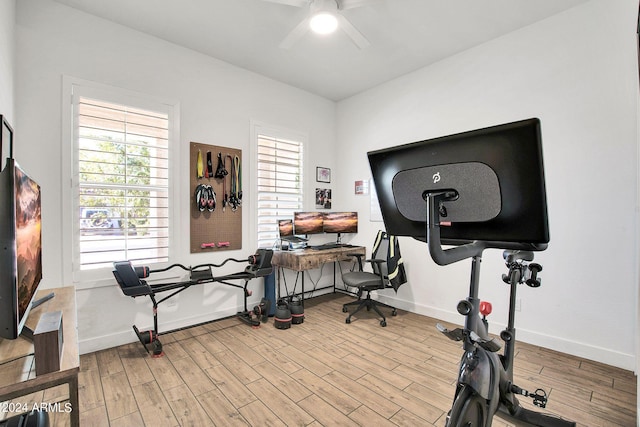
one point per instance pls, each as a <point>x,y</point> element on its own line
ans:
<point>118,338</point>
<point>599,354</point>
<point>587,351</point>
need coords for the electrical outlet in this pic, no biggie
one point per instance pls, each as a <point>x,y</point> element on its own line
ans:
<point>518,304</point>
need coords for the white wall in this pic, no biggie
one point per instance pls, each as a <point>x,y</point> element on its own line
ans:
<point>577,72</point>
<point>7,59</point>
<point>217,103</point>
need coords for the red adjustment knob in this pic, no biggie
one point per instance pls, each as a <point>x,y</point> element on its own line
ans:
<point>485,308</point>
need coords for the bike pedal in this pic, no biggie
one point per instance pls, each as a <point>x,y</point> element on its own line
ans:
<point>539,398</point>
<point>455,335</point>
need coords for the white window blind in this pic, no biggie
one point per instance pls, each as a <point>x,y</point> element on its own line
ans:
<point>122,176</point>
<point>279,181</point>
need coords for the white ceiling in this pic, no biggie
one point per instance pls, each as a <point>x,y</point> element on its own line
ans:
<point>405,35</point>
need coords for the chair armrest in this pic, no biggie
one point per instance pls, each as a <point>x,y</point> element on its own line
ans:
<point>359,256</point>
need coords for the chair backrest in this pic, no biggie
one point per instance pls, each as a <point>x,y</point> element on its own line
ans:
<point>380,251</point>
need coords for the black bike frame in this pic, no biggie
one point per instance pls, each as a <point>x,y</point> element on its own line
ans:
<point>481,366</point>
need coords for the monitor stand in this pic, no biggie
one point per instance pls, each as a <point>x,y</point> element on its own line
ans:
<point>339,239</point>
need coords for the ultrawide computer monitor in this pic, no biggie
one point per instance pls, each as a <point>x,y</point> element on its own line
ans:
<point>340,222</point>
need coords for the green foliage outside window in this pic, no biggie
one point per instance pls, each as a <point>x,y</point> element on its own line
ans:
<point>111,177</point>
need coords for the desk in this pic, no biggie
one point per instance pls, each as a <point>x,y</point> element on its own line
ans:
<point>17,378</point>
<point>308,259</point>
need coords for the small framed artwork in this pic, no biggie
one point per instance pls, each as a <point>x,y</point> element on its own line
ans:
<point>362,187</point>
<point>323,174</point>
<point>323,198</point>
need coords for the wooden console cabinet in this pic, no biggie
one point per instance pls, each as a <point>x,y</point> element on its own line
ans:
<point>17,368</point>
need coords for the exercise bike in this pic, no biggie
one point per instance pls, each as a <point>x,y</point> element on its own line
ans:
<point>485,378</point>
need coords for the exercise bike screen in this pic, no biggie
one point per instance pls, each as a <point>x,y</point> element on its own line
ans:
<point>497,173</point>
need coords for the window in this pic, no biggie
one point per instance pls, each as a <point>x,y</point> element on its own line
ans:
<point>280,184</point>
<point>121,182</point>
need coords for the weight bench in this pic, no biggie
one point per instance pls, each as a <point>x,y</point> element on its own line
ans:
<point>130,280</point>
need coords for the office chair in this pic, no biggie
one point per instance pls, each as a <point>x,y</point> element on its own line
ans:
<point>388,272</point>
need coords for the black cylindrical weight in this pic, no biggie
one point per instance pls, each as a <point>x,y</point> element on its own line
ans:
<point>297,310</point>
<point>146,337</point>
<point>282,318</point>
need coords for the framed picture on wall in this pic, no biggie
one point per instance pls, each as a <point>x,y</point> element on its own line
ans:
<point>323,198</point>
<point>323,174</point>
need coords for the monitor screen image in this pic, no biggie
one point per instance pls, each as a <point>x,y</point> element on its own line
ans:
<point>28,238</point>
<point>497,174</point>
<point>340,222</point>
<point>307,222</point>
<point>21,248</point>
<point>285,227</point>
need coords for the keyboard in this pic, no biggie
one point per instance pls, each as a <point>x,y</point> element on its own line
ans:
<point>326,246</point>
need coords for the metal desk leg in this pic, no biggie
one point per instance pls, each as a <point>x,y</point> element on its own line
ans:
<point>278,284</point>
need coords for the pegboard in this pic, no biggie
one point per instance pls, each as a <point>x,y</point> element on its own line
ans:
<point>224,224</point>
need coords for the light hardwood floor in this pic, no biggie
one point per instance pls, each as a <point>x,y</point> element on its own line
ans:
<point>325,373</point>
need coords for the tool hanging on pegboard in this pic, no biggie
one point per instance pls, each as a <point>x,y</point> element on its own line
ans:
<point>234,197</point>
<point>238,172</point>
<point>229,196</point>
<point>199,166</point>
<point>221,173</point>
<point>208,173</point>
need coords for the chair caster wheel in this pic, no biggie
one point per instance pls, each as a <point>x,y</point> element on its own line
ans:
<point>383,323</point>
<point>344,309</point>
<point>347,320</point>
<point>394,312</point>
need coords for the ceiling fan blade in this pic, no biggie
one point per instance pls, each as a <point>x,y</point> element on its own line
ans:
<point>295,34</point>
<point>353,33</point>
<point>296,3</point>
<point>352,4</point>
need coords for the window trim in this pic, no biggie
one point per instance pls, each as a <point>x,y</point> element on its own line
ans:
<point>279,132</point>
<point>70,245</point>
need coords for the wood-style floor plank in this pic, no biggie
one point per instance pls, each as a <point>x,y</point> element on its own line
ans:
<point>325,372</point>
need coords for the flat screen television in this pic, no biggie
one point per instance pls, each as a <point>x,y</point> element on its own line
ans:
<point>340,222</point>
<point>307,223</point>
<point>20,247</point>
<point>496,172</point>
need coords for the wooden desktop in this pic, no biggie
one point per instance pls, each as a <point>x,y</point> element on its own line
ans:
<point>17,367</point>
<point>302,260</point>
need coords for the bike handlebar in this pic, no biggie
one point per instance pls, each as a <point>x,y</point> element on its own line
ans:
<point>451,255</point>
<point>441,256</point>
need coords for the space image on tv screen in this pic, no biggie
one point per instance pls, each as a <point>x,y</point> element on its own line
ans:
<point>28,238</point>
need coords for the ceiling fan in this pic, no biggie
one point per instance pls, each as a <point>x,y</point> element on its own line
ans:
<point>324,17</point>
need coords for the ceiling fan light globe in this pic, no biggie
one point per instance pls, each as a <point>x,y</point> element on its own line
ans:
<point>323,23</point>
